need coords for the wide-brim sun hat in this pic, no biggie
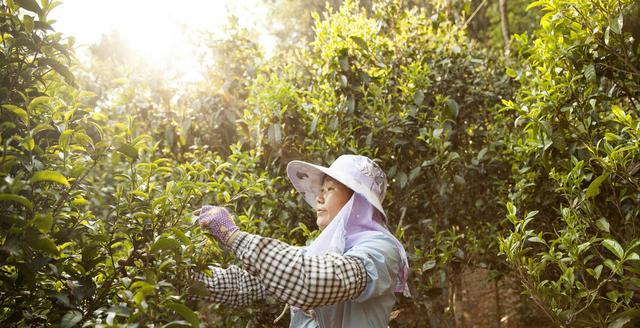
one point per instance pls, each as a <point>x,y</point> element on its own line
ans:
<point>358,173</point>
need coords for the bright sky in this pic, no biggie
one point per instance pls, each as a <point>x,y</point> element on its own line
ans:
<point>155,28</point>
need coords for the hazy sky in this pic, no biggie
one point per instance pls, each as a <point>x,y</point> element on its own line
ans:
<point>154,28</point>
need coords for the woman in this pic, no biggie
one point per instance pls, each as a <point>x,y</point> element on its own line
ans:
<point>345,278</point>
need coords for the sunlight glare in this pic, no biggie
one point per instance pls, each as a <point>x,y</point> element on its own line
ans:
<point>159,30</point>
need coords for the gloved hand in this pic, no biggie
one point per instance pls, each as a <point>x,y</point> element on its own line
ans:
<point>218,221</point>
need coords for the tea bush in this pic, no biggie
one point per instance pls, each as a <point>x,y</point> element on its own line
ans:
<point>524,165</point>
<point>575,164</point>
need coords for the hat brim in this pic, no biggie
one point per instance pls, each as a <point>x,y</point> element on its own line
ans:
<point>307,179</point>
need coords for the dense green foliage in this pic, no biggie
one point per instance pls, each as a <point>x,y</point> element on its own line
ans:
<point>575,164</point>
<point>527,165</point>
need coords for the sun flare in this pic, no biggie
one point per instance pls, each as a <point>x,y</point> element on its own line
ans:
<point>160,31</point>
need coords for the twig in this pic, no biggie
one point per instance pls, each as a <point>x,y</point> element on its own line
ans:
<point>286,307</point>
<point>474,14</point>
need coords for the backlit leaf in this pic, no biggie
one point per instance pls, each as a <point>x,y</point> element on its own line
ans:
<point>594,187</point>
<point>21,113</point>
<point>129,150</point>
<point>17,199</point>
<point>164,243</point>
<point>50,176</point>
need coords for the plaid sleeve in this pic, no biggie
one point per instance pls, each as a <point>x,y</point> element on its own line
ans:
<point>304,281</point>
<point>232,286</point>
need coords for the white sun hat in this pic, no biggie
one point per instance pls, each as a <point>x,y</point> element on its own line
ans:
<point>358,173</point>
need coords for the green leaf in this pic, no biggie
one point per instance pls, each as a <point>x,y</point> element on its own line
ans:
<point>60,68</point>
<point>42,26</point>
<point>360,42</point>
<point>28,23</point>
<point>536,239</point>
<point>129,150</point>
<point>314,123</point>
<point>65,139</point>
<point>79,201</point>
<point>618,112</point>
<point>402,179</point>
<point>344,82</point>
<point>30,5</point>
<point>176,324</point>
<point>41,127</point>
<point>619,322</point>
<point>21,113</point>
<point>594,187</point>
<point>351,104</point>
<point>51,176</point>
<point>185,312</point>
<point>603,225</point>
<point>71,319</point>
<point>198,288</point>
<point>610,264</point>
<point>428,265</point>
<point>596,272</point>
<point>418,97</point>
<point>414,173</point>
<point>614,247</point>
<point>164,243</point>
<point>633,256</point>
<point>17,199</point>
<point>616,24</point>
<point>178,233</point>
<point>453,107</point>
<point>590,73</point>
<point>83,139</point>
<point>535,4</point>
<point>511,72</point>
<point>38,101</point>
<point>44,244</point>
<point>28,143</point>
<point>43,221</point>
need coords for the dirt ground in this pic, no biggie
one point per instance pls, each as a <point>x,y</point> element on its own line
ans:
<point>479,302</point>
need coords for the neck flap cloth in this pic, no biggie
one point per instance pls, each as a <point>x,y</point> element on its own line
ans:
<point>354,223</point>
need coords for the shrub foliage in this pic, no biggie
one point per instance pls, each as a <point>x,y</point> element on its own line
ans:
<point>526,164</point>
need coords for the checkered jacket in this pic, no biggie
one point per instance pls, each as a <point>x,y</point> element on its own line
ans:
<point>274,268</point>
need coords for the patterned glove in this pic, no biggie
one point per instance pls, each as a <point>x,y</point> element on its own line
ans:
<point>217,220</point>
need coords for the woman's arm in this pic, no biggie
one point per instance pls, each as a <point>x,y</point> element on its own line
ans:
<point>304,281</point>
<point>232,286</point>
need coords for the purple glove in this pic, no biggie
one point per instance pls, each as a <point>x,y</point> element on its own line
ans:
<point>218,221</point>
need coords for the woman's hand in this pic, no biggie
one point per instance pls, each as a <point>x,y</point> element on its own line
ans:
<point>219,222</point>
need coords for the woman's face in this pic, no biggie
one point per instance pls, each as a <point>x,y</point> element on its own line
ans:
<point>333,195</point>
